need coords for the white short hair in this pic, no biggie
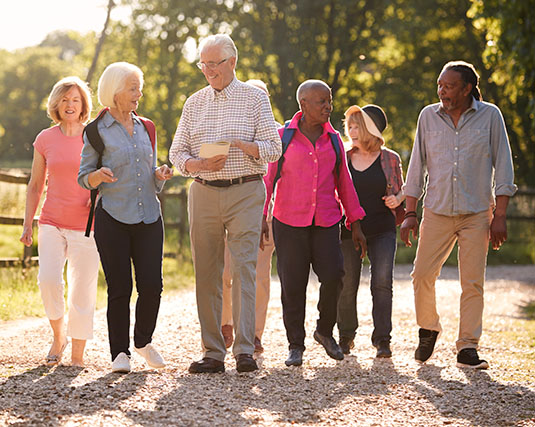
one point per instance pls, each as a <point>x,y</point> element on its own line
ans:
<point>224,42</point>
<point>113,80</point>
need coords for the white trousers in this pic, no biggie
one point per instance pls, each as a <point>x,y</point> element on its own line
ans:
<point>56,246</point>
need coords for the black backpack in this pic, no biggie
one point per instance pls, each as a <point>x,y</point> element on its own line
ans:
<point>91,131</point>
<point>287,136</point>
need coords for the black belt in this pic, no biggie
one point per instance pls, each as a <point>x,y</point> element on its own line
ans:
<point>229,182</point>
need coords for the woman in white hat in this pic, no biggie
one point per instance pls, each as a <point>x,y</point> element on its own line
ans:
<point>377,176</point>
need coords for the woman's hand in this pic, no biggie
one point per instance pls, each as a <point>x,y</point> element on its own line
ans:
<point>391,202</point>
<point>99,176</point>
<point>163,173</point>
<point>27,235</point>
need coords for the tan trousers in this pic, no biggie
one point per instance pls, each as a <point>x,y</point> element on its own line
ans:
<point>236,211</point>
<point>263,282</point>
<point>438,234</point>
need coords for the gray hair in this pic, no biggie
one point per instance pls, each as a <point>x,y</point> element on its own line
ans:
<point>224,42</point>
<point>113,80</point>
<point>307,86</point>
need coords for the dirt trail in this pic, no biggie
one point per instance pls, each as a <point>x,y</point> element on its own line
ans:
<point>360,390</point>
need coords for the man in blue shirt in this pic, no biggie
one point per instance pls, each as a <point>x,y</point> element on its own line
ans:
<point>462,150</point>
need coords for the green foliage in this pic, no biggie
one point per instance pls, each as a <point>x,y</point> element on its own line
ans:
<point>510,58</point>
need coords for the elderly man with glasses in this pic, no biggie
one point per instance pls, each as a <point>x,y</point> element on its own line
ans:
<point>227,195</point>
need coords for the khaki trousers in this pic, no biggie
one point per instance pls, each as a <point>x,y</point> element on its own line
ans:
<point>263,282</point>
<point>237,212</point>
<point>438,234</point>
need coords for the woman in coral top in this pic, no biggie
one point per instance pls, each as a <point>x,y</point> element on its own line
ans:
<point>62,221</point>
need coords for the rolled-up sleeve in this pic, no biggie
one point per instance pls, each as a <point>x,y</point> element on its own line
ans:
<point>88,164</point>
<point>417,171</point>
<point>501,157</point>
<point>180,151</point>
<point>347,193</point>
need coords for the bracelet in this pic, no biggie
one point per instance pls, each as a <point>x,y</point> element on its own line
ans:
<point>410,214</point>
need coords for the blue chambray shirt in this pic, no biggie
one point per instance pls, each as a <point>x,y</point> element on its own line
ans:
<point>464,166</point>
<point>132,198</point>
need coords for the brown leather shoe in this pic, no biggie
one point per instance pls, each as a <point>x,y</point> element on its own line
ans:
<point>245,363</point>
<point>228,335</point>
<point>206,365</point>
<point>258,345</point>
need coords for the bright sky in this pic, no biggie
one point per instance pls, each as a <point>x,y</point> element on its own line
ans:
<point>27,22</point>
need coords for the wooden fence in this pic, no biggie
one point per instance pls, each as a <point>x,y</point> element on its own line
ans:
<point>174,208</point>
<point>173,200</point>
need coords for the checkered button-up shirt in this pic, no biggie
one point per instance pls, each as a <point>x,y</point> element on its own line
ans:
<point>239,111</point>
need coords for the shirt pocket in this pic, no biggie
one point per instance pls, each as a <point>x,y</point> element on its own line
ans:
<point>478,146</point>
<point>435,144</point>
<point>116,158</point>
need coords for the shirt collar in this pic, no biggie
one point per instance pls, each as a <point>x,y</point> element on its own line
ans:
<point>226,92</point>
<point>107,120</point>
<point>476,105</point>
<point>294,123</point>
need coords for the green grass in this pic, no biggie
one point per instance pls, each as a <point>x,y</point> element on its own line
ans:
<point>20,296</point>
<point>529,310</point>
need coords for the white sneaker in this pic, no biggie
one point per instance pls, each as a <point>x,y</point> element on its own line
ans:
<point>121,363</point>
<point>153,358</point>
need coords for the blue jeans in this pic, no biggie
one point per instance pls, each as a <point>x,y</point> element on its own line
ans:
<point>381,252</point>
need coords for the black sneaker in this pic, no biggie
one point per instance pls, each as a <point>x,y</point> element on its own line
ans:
<point>426,346</point>
<point>383,350</point>
<point>346,344</point>
<point>468,358</point>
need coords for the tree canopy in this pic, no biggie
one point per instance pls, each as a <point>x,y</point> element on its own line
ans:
<point>368,51</point>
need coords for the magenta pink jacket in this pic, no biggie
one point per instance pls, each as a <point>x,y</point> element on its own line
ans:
<point>308,188</point>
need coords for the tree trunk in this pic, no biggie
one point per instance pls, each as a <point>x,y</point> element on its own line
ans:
<point>101,39</point>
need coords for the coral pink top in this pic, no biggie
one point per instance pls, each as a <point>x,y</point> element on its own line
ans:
<point>66,204</point>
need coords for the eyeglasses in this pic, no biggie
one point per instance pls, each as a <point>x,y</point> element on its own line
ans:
<point>211,65</point>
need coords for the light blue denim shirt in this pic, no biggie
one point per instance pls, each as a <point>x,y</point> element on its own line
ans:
<point>464,166</point>
<point>132,198</point>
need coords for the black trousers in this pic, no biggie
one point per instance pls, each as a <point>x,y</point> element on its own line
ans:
<point>298,248</point>
<point>121,245</point>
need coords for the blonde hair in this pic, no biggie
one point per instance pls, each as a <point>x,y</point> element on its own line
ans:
<point>368,141</point>
<point>58,92</point>
<point>113,80</point>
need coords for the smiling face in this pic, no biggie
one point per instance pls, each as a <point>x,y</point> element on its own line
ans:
<point>70,106</point>
<point>317,104</point>
<point>127,99</point>
<point>453,92</point>
<point>217,68</point>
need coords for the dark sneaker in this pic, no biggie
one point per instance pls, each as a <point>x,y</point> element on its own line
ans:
<point>426,346</point>
<point>346,344</point>
<point>383,350</point>
<point>295,358</point>
<point>330,345</point>
<point>245,363</point>
<point>468,358</point>
<point>206,366</point>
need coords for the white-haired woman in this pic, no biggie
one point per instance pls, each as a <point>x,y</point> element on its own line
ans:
<point>62,221</point>
<point>128,223</point>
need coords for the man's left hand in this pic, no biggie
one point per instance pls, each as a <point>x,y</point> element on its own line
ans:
<point>498,231</point>
<point>358,239</point>
<point>249,148</point>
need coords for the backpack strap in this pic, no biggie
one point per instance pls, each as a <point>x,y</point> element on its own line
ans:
<point>335,141</point>
<point>287,135</point>
<point>150,128</point>
<point>91,132</point>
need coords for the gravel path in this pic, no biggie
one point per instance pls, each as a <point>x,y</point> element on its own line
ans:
<point>360,390</point>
